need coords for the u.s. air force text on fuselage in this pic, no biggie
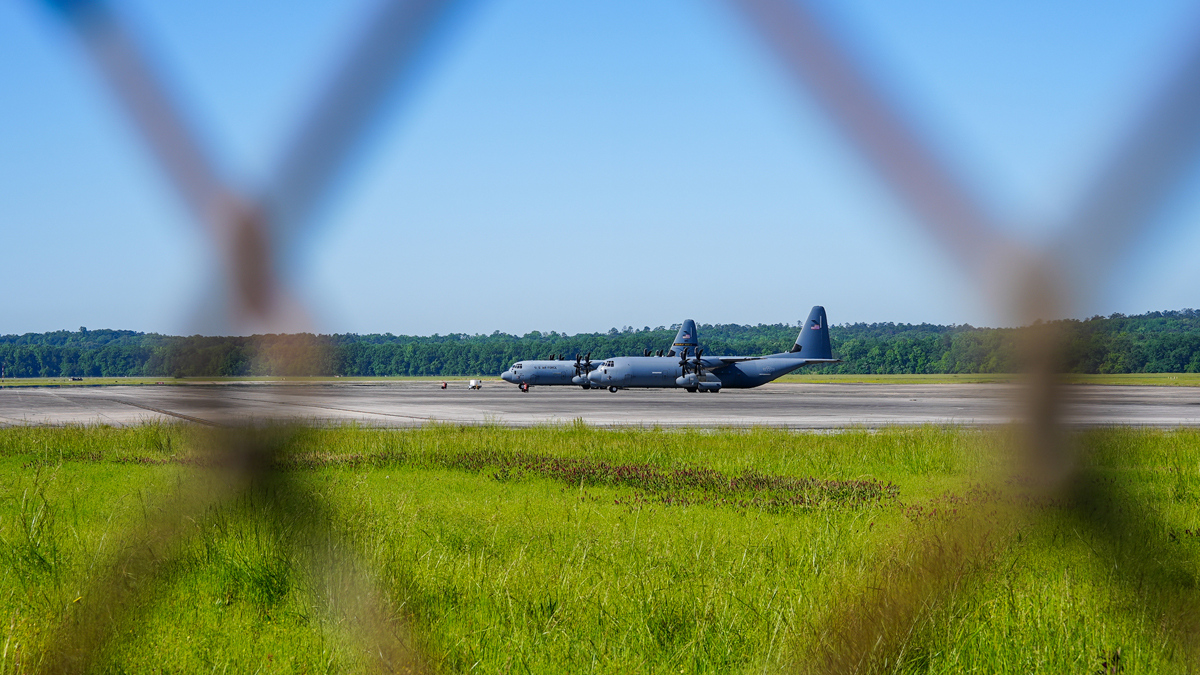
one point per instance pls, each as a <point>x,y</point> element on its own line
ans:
<point>684,366</point>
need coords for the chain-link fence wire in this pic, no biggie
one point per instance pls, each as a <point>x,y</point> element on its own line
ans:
<point>1025,281</point>
<point>1149,162</point>
<point>250,232</point>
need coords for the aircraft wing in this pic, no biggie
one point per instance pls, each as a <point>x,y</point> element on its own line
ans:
<point>737,359</point>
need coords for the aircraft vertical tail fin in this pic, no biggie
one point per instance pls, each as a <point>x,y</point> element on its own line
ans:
<point>813,340</point>
<point>686,338</point>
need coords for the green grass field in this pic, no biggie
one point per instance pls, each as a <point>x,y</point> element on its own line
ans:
<point>141,381</point>
<point>987,378</point>
<point>573,549</point>
<point>1149,379</point>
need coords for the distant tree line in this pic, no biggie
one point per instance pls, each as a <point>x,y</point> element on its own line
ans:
<point>1148,343</point>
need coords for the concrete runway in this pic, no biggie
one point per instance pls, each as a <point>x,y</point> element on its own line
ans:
<point>799,406</point>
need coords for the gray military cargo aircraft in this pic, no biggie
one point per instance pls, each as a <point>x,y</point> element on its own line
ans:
<point>559,371</point>
<point>713,373</point>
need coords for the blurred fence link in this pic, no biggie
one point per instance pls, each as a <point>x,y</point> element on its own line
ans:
<point>249,232</point>
<point>1026,282</point>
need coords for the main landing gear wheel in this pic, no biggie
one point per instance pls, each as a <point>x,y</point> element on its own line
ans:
<point>613,389</point>
<point>691,390</point>
<point>524,387</point>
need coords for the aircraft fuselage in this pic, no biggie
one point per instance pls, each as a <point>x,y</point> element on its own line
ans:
<point>540,372</point>
<point>658,372</point>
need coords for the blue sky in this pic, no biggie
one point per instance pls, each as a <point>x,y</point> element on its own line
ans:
<point>577,166</point>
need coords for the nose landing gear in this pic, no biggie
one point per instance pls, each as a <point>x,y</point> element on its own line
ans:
<point>524,386</point>
<point>613,389</point>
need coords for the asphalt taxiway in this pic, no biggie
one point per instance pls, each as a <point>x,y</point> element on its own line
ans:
<point>799,406</point>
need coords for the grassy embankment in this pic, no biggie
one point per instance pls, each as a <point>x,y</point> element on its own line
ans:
<point>1151,379</point>
<point>573,549</point>
<point>188,381</point>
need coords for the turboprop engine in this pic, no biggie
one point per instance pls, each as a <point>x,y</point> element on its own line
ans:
<point>695,380</point>
<point>583,366</point>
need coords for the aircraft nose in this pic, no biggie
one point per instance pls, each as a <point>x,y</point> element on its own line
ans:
<point>506,376</point>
